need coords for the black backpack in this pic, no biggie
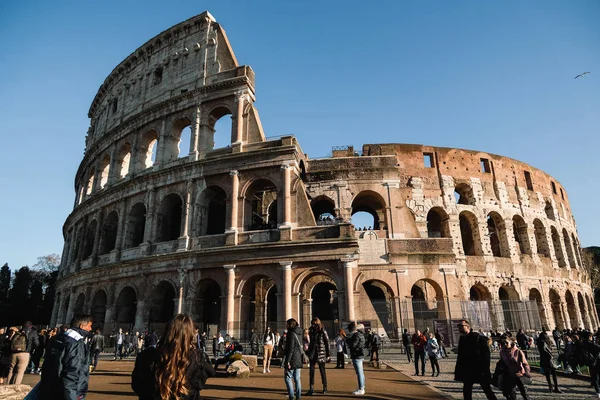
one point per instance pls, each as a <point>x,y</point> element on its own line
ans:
<point>19,343</point>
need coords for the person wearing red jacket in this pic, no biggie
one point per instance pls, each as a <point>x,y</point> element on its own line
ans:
<point>419,341</point>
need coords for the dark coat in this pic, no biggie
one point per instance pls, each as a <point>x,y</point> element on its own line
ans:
<point>143,378</point>
<point>318,348</point>
<point>356,344</point>
<point>97,343</point>
<point>33,339</point>
<point>65,371</point>
<point>473,361</point>
<point>545,351</point>
<point>293,349</point>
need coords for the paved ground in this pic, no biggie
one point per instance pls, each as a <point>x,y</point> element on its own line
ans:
<point>113,378</point>
<point>572,388</point>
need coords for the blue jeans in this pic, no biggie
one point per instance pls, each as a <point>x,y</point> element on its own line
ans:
<point>295,375</point>
<point>360,373</point>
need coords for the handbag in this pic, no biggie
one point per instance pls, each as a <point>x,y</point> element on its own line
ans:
<point>525,380</point>
<point>302,353</point>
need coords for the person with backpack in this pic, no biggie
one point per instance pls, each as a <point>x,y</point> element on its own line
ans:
<point>65,371</point>
<point>19,359</point>
<point>97,347</point>
<point>590,356</point>
<point>406,343</point>
<point>356,345</point>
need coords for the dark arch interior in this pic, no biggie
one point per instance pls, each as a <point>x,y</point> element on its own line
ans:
<point>466,232</point>
<point>109,233</point>
<point>90,236</point>
<point>493,235</point>
<point>208,302</point>
<point>323,209</point>
<point>260,197</point>
<point>136,225</point>
<point>464,194</point>
<point>325,301</point>
<point>163,303</point>
<point>437,224</point>
<point>98,310</point>
<point>126,306</point>
<point>169,218</point>
<point>78,309</point>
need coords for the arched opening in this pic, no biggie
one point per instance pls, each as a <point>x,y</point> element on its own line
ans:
<point>109,233</point>
<point>148,148</point>
<point>437,223</point>
<point>478,310</point>
<point>535,295</point>
<point>521,236</point>
<point>323,209</point>
<point>136,225</point>
<point>497,233</point>
<point>469,232</point>
<point>557,248</point>
<point>569,249</point>
<point>98,310</point>
<point>66,309</point>
<point>381,298</point>
<point>541,240</point>
<point>257,213</point>
<point>584,312</point>
<point>213,211</point>
<point>427,304</point>
<point>178,141</point>
<point>363,221</point>
<point>463,194</point>
<point>571,310</point>
<point>104,170</point>
<point>549,211</point>
<point>325,304</point>
<point>259,303</point>
<point>509,302</point>
<point>302,171</point>
<point>591,301</point>
<point>90,182</point>
<point>78,309</point>
<point>162,304</point>
<point>207,306</point>
<point>169,218</point>
<point>90,236</point>
<point>372,203</point>
<point>123,160</point>
<point>479,293</point>
<point>555,303</point>
<point>221,132</point>
<point>126,306</point>
<point>577,250</point>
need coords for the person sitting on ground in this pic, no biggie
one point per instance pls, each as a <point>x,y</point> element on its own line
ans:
<point>233,352</point>
<point>175,369</point>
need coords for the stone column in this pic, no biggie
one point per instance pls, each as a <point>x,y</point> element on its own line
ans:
<point>120,239</point>
<point>240,99</point>
<point>55,308</point>
<point>182,275</point>
<point>112,174</point>
<point>184,239</point>
<point>229,323</point>
<point>96,247</point>
<point>349,263</point>
<point>150,217</point>
<point>235,187</point>
<point>69,315</point>
<point>140,309</point>
<point>286,266</point>
<point>194,136</point>
<point>286,178</point>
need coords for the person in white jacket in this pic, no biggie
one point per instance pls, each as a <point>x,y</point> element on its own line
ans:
<point>432,348</point>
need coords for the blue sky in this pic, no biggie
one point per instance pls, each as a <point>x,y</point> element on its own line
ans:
<point>490,76</point>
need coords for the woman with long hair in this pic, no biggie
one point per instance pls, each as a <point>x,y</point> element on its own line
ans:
<point>547,361</point>
<point>318,353</point>
<point>176,368</point>
<point>432,348</point>
<point>340,345</point>
<point>268,343</point>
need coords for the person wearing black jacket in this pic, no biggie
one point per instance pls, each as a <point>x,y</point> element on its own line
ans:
<point>318,353</point>
<point>97,347</point>
<point>406,337</point>
<point>293,359</point>
<point>65,371</point>
<point>356,345</point>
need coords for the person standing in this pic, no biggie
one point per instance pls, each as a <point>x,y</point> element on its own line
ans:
<point>293,359</point>
<point>546,361</point>
<point>220,344</point>
<point>419,341</point>
<point>96,347</point>
<point>268,341</point>
<point>406,343</point>
<point>176,368</point>
<point>592,352</point>
<point>375,345</point>
<point>556,336</point>
<point>65,371</point>
<point>356,345</point>
<point>20,356</point>
<point>440,339</point>
<point>473,361</point>
<point>215,346</point>
<point>6,353</point>
<point>119,342</point>
<point>318,353</point>
<point>38,352</point>
<point>253,343</point>
<point>516,368</point>
<point>432,348</point>
<point>340,345</point>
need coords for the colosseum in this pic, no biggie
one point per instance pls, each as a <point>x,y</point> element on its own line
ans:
<point>254,232</point>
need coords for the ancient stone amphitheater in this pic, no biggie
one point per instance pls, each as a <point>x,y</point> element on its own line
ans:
<point>255,232</point>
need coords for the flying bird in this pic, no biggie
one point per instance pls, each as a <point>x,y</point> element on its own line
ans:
<point>585,73</point>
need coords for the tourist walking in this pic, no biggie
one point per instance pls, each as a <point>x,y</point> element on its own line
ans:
<point>318,353</point>
<point>96,347</point>
<point>432,348</point>
<point>268,342</point>
<point>419,341</point>
<point>119,343</point>
<point>515,370</point>
<point>20,356</point>
<point>356,346</point>
<point>340,346</point>
<point>473,361</point>
<point>65,371</point>
<point>440,339</point>
<point>546,361</point>
<point>176,368</point>
<point>6,353</point>
<point>406,343</point>
<point>293,360</point>
<point>253,343</point>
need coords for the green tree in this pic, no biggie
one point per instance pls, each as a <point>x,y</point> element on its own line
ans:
<point>4,282</point>
<point>46,274</point>
<point>19,296</point>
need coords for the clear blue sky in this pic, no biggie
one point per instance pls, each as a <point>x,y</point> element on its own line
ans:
<point>490,76</point>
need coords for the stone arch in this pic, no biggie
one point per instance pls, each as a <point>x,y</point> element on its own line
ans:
<point>571,309</point>
<point>584,312</point>
<point>173,147</point>
<point>212,211</point>
<point>207,304</point>
<point>323,209</point>
<point>427,304</point>
<point>162,302</point>
<point>593,310</point>
<point>508,297</point>
<point>463,194</point>
<point>577,250</point>
<point>90,182</point>
<point>437,223</point>
<point>79,304</point>
<point>90,236</point>
<point>535,295</point>
<point>549,210</point>
<point>557,247</point>
<point>479,310</point>
<point>381,297</point>
<point>521,235</point>
<point>148,147</point>
<point>496,230</point>
<point>136,226</point>
<point>104,170</point>
<point>479,292</point>
<point>555,303</point>
<point>259,302</point>
<point>569,248</point>
<point>123,161</point>
<point>169,218</point>
<point>469,232</point>
<point>259,195</point>
<point>541,238</point>
<point>109,233</point>
<point>372,203</point>
<point>98,309</point>
<point>126,306</point>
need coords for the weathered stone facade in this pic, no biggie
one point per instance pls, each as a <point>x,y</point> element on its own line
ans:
<point>235,235</point>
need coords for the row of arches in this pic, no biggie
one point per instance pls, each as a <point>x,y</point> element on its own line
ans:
<point>500,240</point>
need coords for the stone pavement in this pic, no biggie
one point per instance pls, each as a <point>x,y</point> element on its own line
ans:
<point>572,388</point>
<point>113,378</point>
